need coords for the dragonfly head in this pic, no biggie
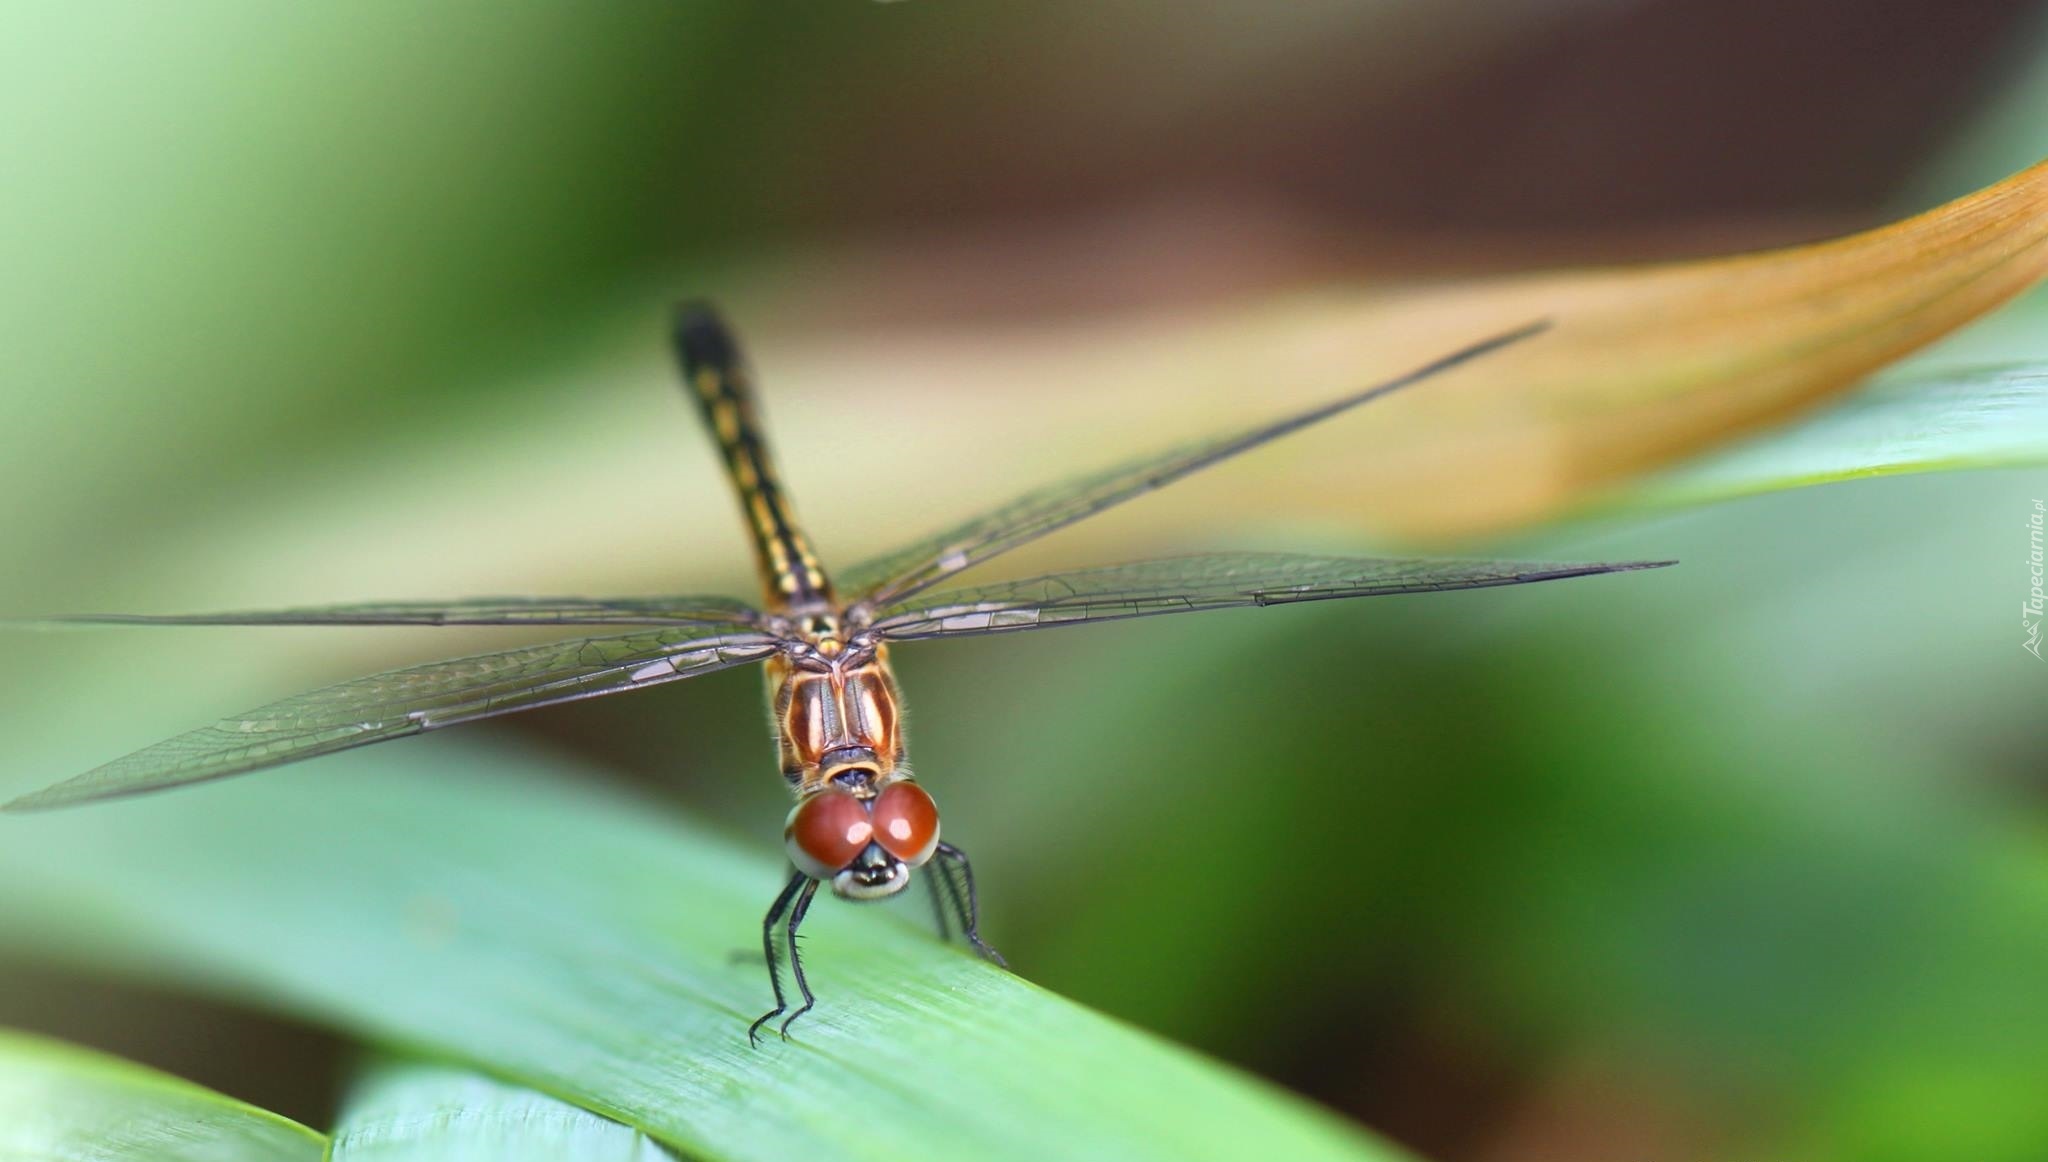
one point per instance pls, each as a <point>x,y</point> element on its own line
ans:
<point>865,847</point>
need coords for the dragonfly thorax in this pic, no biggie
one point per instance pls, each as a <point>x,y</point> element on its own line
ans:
<point>837,719</point>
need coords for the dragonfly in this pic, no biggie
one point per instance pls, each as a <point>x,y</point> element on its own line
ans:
<point>861,823</point>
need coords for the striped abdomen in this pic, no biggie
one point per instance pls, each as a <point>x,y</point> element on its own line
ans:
<point>717,379</point>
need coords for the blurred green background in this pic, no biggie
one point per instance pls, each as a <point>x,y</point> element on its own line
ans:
<point>1740,860</point>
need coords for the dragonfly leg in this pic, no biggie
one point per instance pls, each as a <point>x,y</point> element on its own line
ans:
<point>768,923</point>
<point>940,886</point>
<point>946,878</point>
<point>964,901</point>
<point>796,956</point>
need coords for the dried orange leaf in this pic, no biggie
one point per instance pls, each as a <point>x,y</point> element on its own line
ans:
<point>1645,366</point>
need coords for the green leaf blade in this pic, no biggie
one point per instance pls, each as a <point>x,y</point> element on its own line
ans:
<point>59,1102</point>
<point>1966,417</point>
<point>471,905</point>
<point>415,1111</point>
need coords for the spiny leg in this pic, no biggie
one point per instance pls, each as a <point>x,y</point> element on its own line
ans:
<point>796,955</point>
<point>932,882</point>
<point>946,881</point>
<point>964,903</point>
<point>775,911</point>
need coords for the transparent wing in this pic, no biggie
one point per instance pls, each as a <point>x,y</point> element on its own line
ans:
<point>408,701</point>
<point>887,580</point>
<point>1208,581</point>
<point>707,611</point>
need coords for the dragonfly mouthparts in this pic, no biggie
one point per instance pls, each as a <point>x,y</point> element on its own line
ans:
<point>874,875</point>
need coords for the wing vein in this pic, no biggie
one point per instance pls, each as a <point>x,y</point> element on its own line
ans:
<point>408,701</point>
<point>1201,582</point>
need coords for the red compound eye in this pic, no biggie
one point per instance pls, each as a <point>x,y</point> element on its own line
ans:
<point>825,832</point>
<point>906,822</point>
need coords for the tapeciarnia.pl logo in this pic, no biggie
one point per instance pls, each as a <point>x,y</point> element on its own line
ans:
<point>2030,613</point>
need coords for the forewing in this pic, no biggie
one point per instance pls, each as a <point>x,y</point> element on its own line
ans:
<point>407,701</point>
<point>1207,581</point>
<point>888,580</point>
<point>698,611</point>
